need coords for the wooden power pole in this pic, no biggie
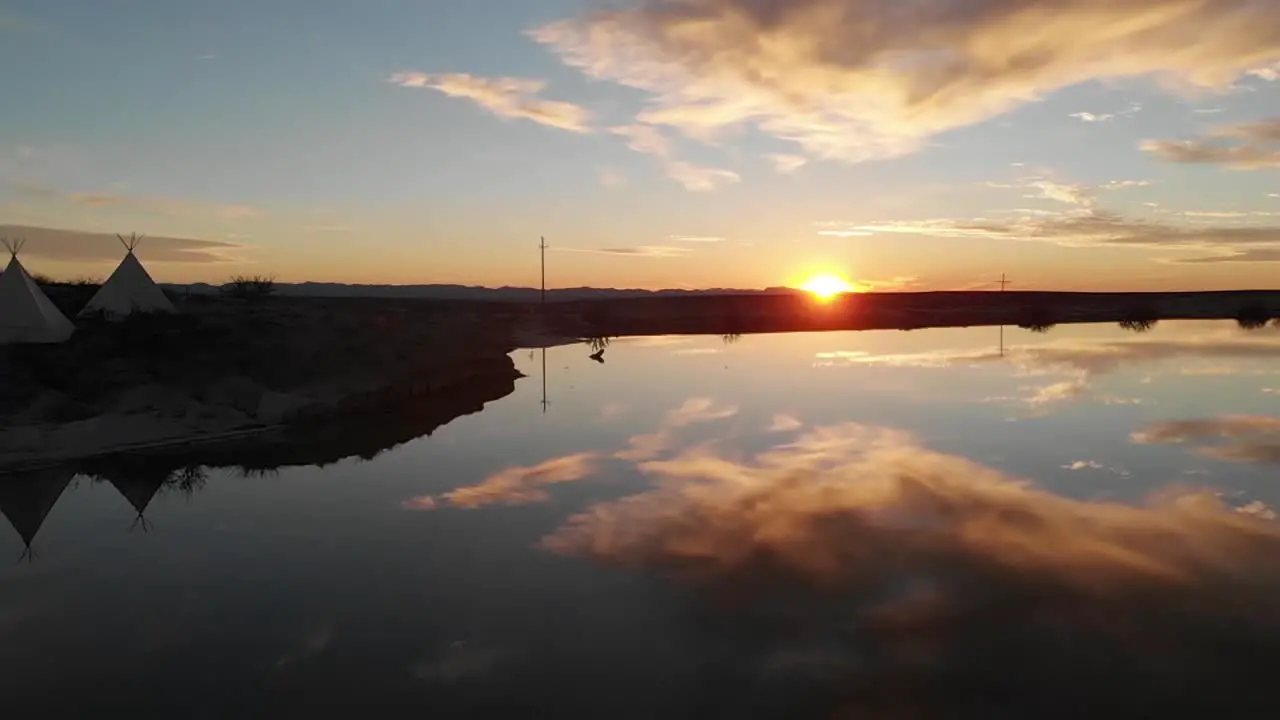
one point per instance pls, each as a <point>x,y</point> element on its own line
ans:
<point>542,247</point>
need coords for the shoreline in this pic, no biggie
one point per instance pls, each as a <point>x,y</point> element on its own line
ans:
<point>428,360</point>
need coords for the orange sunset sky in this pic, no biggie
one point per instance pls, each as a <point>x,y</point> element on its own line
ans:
<point>1074,144</point>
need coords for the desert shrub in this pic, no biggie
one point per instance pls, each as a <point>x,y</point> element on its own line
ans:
<point>250,287</point>
<point>1253,316</point>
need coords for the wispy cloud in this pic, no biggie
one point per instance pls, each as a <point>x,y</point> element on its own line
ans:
<point>1079,364</point>
<point>507,97</point>
<point>1092,118</point>
<point>1124,184</point>
<point>1091,227</point>
<point>78,245</point>
<point>646,251</point>
<point>650,140</point>
<point>856,80</point>
<point>693,411</point>
<point>787,164</point>
<point>1234,438</point>
<point>612,178</point>
<point>1243,146</point>
<point>784,423</point>
<point>696,238</point>
<point>1071,194</point>
<point>171,207</point>
<point>700,178</point>
<point>512,486</point>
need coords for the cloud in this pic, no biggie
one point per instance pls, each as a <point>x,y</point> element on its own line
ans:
<point>612,178</point>
<point>855,80</point>
<point>1270,73</point>
<point>1085,465</point>
<point>1083,362</point>
<point>78,245</point>
<point>1071,194</point>
<point>650,140</point>
<point>1244,146</point>
<point>915,567</point>
<point>512,486</point>
<point>696,238</point>
<point>1124,184</point>
<point>1091,118</point>
<point>1090,227</point>
<point>646,251</point>
<point>506,97</point>
<point>787,164</point>
<point>1241,438</point>
<point>645,139</point>
<point>784,423</point>
<point>165,206</point>
<point>693,411</point>
<point>699,178</point>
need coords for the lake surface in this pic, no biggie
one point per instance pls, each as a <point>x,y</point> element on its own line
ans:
<point>940,523</point>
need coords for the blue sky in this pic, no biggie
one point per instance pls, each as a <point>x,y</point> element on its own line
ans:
<point>417,141</point>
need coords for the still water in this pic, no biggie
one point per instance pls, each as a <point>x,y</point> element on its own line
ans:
<point>940,523</point>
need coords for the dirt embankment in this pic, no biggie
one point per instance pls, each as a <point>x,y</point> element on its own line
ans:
<point>222,366</point>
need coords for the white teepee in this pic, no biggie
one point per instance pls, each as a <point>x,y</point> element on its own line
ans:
<point>130,289</point>
<point>26,313</point>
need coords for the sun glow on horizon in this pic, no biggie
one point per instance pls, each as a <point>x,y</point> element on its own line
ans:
<point>827,286</point>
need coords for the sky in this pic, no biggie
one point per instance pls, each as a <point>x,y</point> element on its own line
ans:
<point>899,144</point>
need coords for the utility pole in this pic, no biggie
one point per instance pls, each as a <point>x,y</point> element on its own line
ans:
<point>545,403</point>
<point>542,247</point>
<point>1003,282</point>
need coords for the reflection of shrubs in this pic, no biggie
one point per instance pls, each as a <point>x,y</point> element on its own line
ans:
<point>1138,326</point>
<point>730,338</point>
<point>250,287</point>
<point>1139,319</point>
<point>1038,327</point>
<point>1253,316</point>
<point>599,343</point>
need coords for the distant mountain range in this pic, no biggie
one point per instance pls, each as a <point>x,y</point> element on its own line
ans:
<point>468,292</point>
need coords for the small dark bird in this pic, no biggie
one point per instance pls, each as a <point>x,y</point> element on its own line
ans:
<point>598,356</point>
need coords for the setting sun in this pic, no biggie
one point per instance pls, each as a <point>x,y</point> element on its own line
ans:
<point>826,286</point>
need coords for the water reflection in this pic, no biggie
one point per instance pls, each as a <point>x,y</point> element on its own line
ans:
<point>27,501</point>
<point>787,526</point>
<point>948,581</point>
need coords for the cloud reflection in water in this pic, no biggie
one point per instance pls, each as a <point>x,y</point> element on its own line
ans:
<point>939,580</point>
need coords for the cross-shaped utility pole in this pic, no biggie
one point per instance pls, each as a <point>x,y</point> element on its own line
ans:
<point>1003,282</point>
<point>545,402</point>
<point>542,247</point>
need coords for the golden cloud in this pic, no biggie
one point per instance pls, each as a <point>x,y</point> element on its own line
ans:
<point>854,80</point>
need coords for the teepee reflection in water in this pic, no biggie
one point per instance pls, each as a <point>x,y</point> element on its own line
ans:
<point>27,498</point>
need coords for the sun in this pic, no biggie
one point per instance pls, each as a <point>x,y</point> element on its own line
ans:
<point>825,287</point>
